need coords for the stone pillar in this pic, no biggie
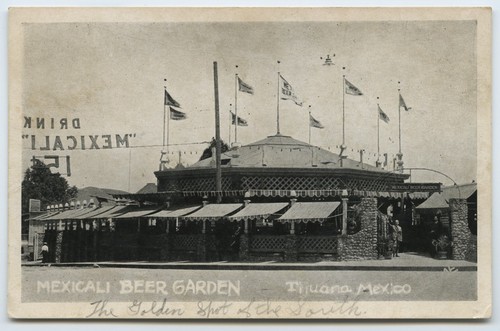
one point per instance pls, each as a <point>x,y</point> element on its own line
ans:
<point>344,215</point>
<point>58,250</point>
<point>362,245</point>
<point>165,247</point>
<point>291,249</point>
<point>201,249</point>
<point>244,247</point>
<point>459,227</point>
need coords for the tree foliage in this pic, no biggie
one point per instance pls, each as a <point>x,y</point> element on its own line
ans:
<point>40,183</point>
<point>207,153</point>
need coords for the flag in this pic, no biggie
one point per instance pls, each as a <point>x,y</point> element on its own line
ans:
<point>169,101</point>
<point>402,103</point>
<point>241,122</point>
<point>315,123</point>
<point>287,92</point>
<point>177,115</point>
<point>383,116</point>
<point>351,89</point>
<point>244,87</point>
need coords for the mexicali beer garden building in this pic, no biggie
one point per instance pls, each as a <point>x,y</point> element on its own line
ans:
<point>280,199</point>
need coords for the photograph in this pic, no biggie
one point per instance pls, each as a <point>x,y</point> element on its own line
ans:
<point>249,163</point>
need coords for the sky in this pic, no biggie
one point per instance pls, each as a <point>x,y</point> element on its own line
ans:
<point>111,77</point>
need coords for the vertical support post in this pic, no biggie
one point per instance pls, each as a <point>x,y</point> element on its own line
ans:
<point>203,227</point>
<point>246,226</point>
<point>218,176</point>
<point>345,199</point>
<point>292,227</point>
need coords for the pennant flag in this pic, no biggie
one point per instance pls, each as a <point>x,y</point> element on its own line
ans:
<point>287,92</point>
<point>241,122</point>
<point>244,87</point>
<point>383,116</point>
<point>315,123</point>
<point>169,101</point>
<point>351,89</point>
<point>402,103</point>
<point>177,115</point>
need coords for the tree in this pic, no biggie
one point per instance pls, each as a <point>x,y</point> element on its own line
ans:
<point>40,183</point>
<point>207,153</point>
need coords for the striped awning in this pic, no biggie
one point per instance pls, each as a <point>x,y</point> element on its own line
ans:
<point>44,216</point>
<point>137,213</point>
<point>94,212</point>
<point>113,212</point>
<point>214,211</point>
<point>258,211</point>
<point>70,214</point>
<point>173,213</point>
<point>309,211</point>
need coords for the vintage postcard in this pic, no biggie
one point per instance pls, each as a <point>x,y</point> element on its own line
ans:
<point>250,163</point>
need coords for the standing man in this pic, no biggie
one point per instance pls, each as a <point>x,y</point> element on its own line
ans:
<point>45,253</point>
<point>397,237</point>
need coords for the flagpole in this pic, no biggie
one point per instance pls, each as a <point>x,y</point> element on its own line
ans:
<point>400,154</point>
<point>164,115</point>
<point>236,107</point>
<point>218,173</point>
<point>278,103</point>
<point>378,136</point>
<point>343,110</point>
<point>309,123</point>
<point>230,123</point>
<point>399,112</point>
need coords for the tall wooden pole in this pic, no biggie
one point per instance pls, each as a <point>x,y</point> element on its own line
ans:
<point>218,173</point>
<point>309,124</point>
<point>278,103</point>
<point>230,123</point>
<point>343,109</point>
<point>236,107</point>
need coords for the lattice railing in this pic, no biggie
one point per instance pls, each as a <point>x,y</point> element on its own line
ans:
<point>316,244</point>
<point>183,242</point>
<point>268,243</point>
<point>200,184</point>
<point>289,183</point>
<point>366,184</point>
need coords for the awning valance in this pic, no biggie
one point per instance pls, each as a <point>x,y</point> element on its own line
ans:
<point>173,213</point>
<point>214,211</point>
<point>258,210</point>
<point>137,213</point>
<point>309,211</point>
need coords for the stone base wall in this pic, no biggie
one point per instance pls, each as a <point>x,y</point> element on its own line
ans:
<point>459,227</point>
<point>363,244</point>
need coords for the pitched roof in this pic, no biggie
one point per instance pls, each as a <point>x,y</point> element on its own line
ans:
<point>435,201</point>
<point>463,191</point>
<point>148,188</point>
<point>440,200</point>
<point>284,152</point>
